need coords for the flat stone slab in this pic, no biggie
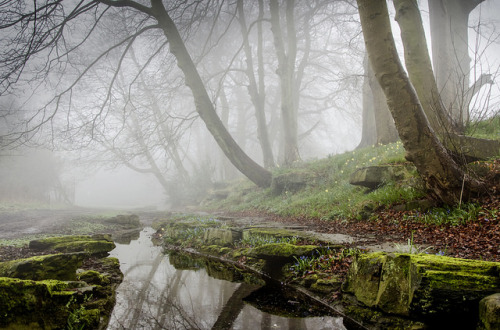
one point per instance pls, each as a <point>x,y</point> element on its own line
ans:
<point>428,287</point>
<point>95,244</point>
<point>52,266</point>
<point>375,176</point>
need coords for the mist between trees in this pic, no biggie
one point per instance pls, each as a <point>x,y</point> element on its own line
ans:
<point>191,93</point>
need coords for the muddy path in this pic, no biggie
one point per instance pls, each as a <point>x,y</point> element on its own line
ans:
<point>17,224</point>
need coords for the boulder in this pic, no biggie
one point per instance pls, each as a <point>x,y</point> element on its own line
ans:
<point>222,237</point>
<point>428,287</point>
<point>52,266</point>
<point>281,251</point>
<point>290,182</point>
<point>375,176</point>
<point>95,244</point>
<point>489,312</point>
<point>25,304</point>
<point>125,220</point>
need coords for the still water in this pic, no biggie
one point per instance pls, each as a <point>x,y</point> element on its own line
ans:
<point>156,295</point>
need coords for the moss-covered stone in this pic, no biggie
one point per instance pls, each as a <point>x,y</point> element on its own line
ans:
<point>126,220</point>
<point>223,237</point>
<point>422,286</point>
<point>272,232</point>
<point>291,181</point>
<point>33,304</point>
<point>93,277</point>
<point>489,312</point>
<point>281,250</point>
<point>96,244</point>
<point>326,285</point>
<point>52,266</point>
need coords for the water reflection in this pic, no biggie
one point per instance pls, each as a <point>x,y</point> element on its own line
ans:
<point>155,295</point>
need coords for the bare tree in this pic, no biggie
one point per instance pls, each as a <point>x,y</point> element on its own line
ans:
<point>44,27</point>
<point>444,179</point>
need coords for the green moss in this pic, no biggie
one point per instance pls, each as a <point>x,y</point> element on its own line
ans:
<point>90,244</point>
<point>434,288</point>
<point>282,250</point>
<point>274,232</point>
<point>325,285</point>
<point>53,266</point>
<point>25,301</point>
<point>93,277</point>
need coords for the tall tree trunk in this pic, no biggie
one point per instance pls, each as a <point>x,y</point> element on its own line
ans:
<point>443,178</point>
<point>257,92</point>
<point>368,129</point>
<point>418,64</point>
<point>450,54</point>
<point>204,106</point>
<point>286,72</point>
<point>228,171</point>
<point>384,123</point>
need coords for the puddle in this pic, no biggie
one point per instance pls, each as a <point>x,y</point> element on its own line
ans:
<point>156,295</point>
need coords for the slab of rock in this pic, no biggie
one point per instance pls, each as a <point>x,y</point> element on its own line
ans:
<point>95,244</point>
<point>375,176</point>
<point>222,237</point>
<point>489,312</point>
<point>281,251</point>
<point>125,220</point>
<point>24,303</point>
<point>290,182</point>
<point>428,287</point>
<point>52,266</point>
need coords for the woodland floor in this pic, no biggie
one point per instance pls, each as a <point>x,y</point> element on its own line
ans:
<point>479,239</point>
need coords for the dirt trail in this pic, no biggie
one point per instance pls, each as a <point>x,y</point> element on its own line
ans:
<point>15,224</point>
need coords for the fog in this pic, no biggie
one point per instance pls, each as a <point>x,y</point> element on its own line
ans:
<point>107,113</point>
<point>119,189</point>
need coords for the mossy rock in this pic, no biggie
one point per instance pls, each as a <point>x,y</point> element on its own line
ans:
<point>27,304</point>
<point>96,244</point>
<point>326,285</point>
<point>54,304</point>
<point>281,250</point>
<point>271,232</point>
<point>222,237</point>
<point>52,266</point>
<point>291,182</point>
<point>125,220</point>
<point>433,288</point>
<point>489,312</point>
<point>93,277</point>
<point>373,177</point>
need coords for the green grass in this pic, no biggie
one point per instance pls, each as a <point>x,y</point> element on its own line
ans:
<point>486,129</point>
<point>329,195</point>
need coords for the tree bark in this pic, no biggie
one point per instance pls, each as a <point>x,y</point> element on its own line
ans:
<point>384,123</point>
<point>443,178</point>
<point>450,54</point>
<point>368,129</point>
<point>204,106</point>
<point>257,92</point>
<point>378,125</point>
<point>286,72</point>
<point>418,64</point>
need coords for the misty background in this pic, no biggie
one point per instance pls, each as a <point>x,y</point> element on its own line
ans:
<point>121,130</point>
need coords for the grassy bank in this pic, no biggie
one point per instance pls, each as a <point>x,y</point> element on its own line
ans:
<point>328,195</point>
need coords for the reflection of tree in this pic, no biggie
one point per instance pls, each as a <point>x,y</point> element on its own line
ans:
<point>233,307</point>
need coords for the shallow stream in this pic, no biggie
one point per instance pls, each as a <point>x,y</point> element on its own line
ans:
<point>156,295</point>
